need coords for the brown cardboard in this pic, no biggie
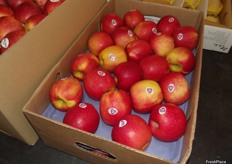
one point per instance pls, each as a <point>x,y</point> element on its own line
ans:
<point>178,3</point>
<point>67,139</point>
<point>25,64</point>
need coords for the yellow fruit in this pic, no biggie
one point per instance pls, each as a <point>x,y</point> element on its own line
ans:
<point>171,2</point>
<point>214,7</point>
<point>192,4</point>
<point>212,18</point>
<point>111,56</point>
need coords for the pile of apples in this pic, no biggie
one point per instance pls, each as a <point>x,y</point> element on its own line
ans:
<point>19,16</point>
<point>133,64</point>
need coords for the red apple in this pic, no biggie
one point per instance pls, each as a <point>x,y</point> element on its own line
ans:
<point>83,64</point>
<point>10,39</point>
<point>9,24</point>
<point>122,36</point>
<point>51,5</point>
<point>132,131</point>
<point>162,44</point>
<point>145,94</point>
<point>181,59</point>
<point>154,67</point>
<point>110,22</point>
<point>41,3</point>
<point>145,30</point>
<point>138,50</point>
<point>126,74</point>
<point>6,10</point>
<point>167,122</point>
<point>3,2</point>
<point>186,36</point>
<point>33,21</point>
<point>175,88</point>
<point>132,18</point>
<point>98,41</point>
<point>114,106</point>
<point>83,116</point>
<point>168,24</point>
<point>97,82</point>
<point>66,93</point>
<point>26,10</point>
<point>15,3</point>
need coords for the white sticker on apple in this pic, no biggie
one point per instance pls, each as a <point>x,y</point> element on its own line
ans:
<point>162,110</point>
<point>5,43</point>
<point>122,123</point>
<point>112,57</point>
<point>180,36</point>
<point>171,19</point>
<point>149,90</point>
<point>154,30</point>
<point>130,33</point>
<point>54,0</point>
<point>101,73</point>
<point>82,105</point>
<point>112,111</point>
<point>114,22</point>
<point>171,88</point>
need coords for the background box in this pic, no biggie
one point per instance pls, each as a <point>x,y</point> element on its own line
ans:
<point>26,63</point>
<point>92,147</point>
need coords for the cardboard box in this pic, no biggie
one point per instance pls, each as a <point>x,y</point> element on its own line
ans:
<point>25,64</point>
<point>218,36</point>
<point>98,147</point>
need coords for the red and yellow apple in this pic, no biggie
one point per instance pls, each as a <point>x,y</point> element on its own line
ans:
<point>83,64</point>
<point>97,82</point>
<point>65,93</point>
<point>138,50</point>
<point>15,3</point>
<point>114,106</point>
<point>126,74</point>
<point>181,59</point>
<point>154,67</point>
<point>51,5</point>
<point>98,41</point>
<point>83,116</point>
<point>175,88</point>
<point>167,122</point>
<point>132,131</point>
<point>145,94</point>
<point>6,10</point>
<point>41,3</point>
<point>33,21</point>
<point>168,24</point>
<point>162,44</point>
<point>132,18</point>
<point>110,22</point>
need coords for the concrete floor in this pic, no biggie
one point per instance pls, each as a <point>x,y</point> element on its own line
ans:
<point>213,136</point>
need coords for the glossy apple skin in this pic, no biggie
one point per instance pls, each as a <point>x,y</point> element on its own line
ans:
<point>132,18</point>
<point>168,24</point>
<point>26,10</point>
<point>83,116</point>
<point>162,44</point>
<point>3,2</point>
<point>154,67</point>
<point>132,131</point>
<point>5,11</point>
<point>33,21</point>
<point>97,82</point>
<point>167,122</point>
<point>66,93</point>
<point>15,3</point>
<point>110,22</point>
<point>181,59</point>
<point>138,50</point>
<point>114,106</point>
<point>83,64</point>
<point>123,35</point>
<point>10,39</point>
<point>186,36</point>
<point>41,3</point>
<point>9,24</point>
<point>126,74</point>
<point>99,41</point>
<point>145,94</point>
<point>175,88</point>
<point>111,56</point>
<point>145,30</point>
<point>50,6</point>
